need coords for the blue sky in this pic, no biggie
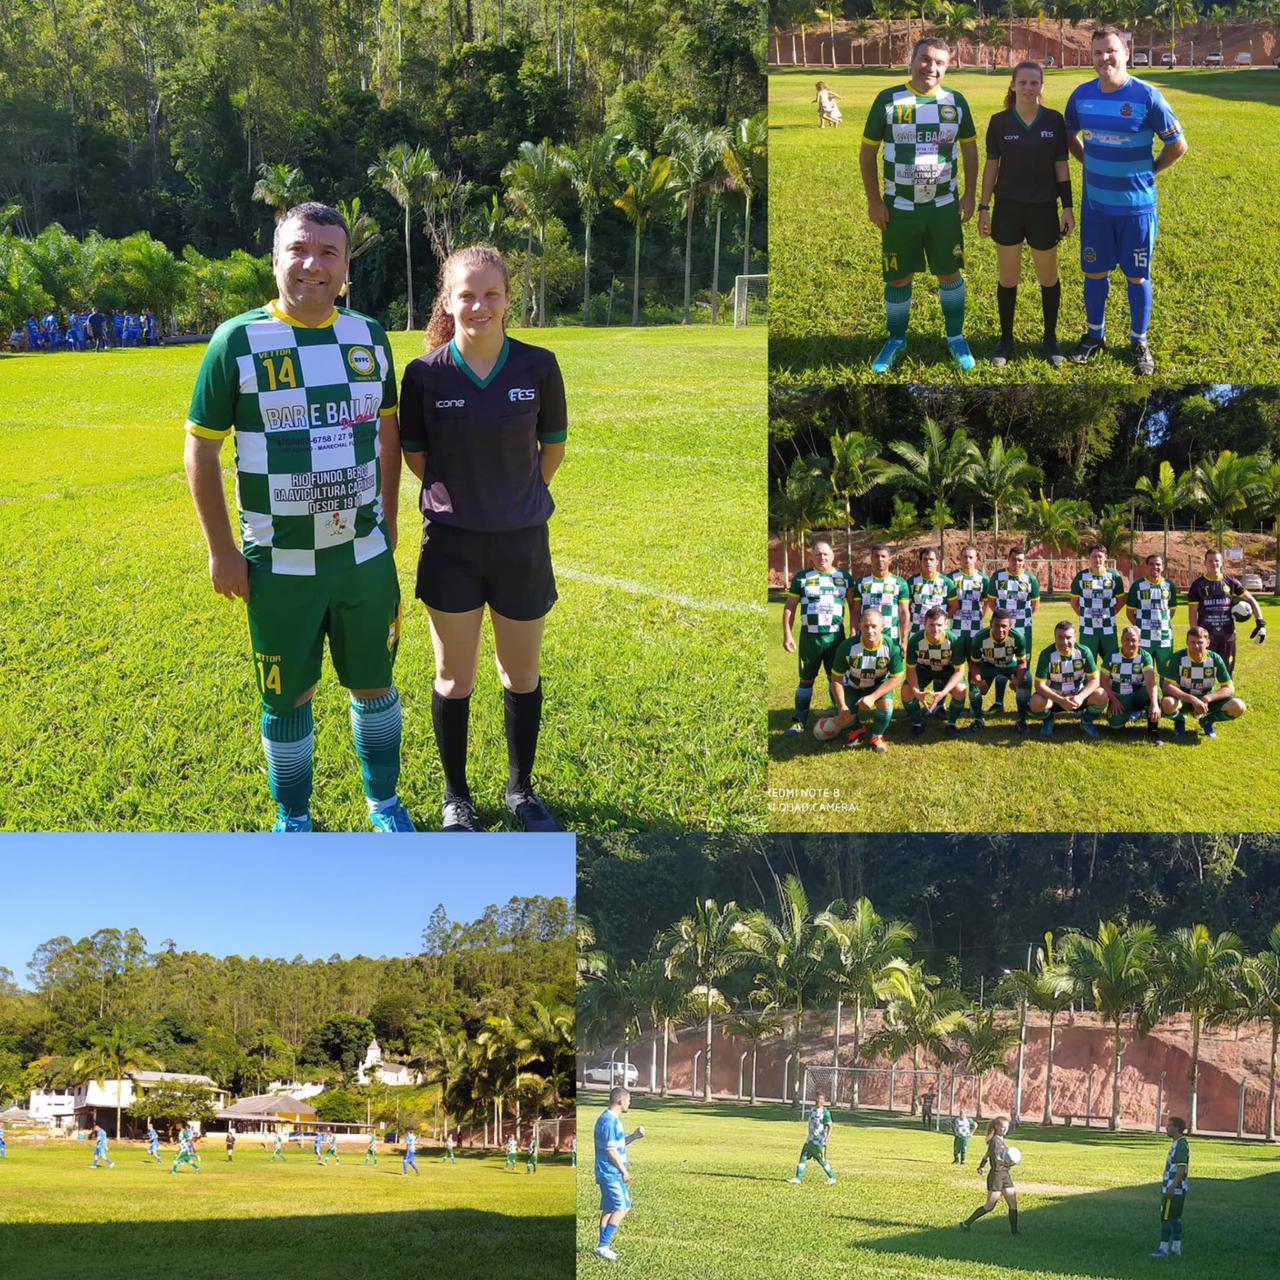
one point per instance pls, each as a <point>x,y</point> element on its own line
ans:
<point>264,895</point>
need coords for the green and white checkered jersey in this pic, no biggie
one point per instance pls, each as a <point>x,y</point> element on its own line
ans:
<point>1179,1153</point>
<point>971,591</point>
<point>883,594</point>
<point>1067,673</point>
<point>963,1127</point>
<point>866,669</point>
<point>305,405</point>
<point>819,1123</point>
<point>919,135</point>
<point>1199,678</point>
<point>1126,673</point>
<point>950,651</point>
<point>1099,594</point>
<point>1015,592</point>
<point>1003,654</point>
<point>929,593</point>
<point>1153,604</point>
<point>821,597</point>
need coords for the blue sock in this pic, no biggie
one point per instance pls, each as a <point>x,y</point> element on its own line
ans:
<point>1139,310</point>
<point>897,309</point>
<point>375,728</point>
<point>804,696</point>
<point>607,1232</point>
<point>289,743</point>
<point>1095,305</point>
<point>951,296</point>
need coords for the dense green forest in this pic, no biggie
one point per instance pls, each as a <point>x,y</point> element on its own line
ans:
<point>480,1001</point>
<point>974,901</point>
<point>189,120</point>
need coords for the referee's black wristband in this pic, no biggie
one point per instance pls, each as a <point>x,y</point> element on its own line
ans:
<point>1064,193</point>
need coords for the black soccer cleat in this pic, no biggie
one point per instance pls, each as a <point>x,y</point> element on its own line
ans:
<point>459,815</point>
<point>1002,354</point>
<point>533,814</point>
<point>1143,362</point>
<point>1053,352</point>
<point>1088,348</point>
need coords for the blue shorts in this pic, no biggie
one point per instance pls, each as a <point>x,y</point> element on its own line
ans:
<point>1125,240</point>
<point>614,1194</point>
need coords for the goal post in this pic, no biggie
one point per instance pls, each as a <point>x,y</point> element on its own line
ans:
<point>750,299</point>
<point>890,1089</point>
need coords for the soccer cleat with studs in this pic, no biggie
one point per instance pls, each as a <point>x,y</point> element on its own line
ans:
<point>1002,353</point>
<point>286,821</point>
<point>459,815</point>
<point>1143,362</point>
<point>888,355</point>
<point>1089,348</point>
<point>394,818</point>
<point>961,356</point>
<point>531,812</point>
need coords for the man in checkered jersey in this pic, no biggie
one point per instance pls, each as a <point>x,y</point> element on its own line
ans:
<point>310,393</point>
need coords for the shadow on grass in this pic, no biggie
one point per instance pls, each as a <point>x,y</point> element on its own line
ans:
<point>1104,1234</point>
<point>420,1242</point>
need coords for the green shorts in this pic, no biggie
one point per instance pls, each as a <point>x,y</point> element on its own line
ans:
<point>852,696</point>
<point>928,678</point>
<point>817,651</point>
<point>1171,1208</point>
<point>1138,700</point>
<point>989,673</point>
<point>813,1151</point>
<point>358,610</point>
<point>1102,644</point>
<point>929,233</point>
<point>1160,655</point>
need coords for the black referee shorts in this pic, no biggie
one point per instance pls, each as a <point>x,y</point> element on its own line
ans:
<point>461,569</point>
<point>1223,643</point>
<point>1013,221</point>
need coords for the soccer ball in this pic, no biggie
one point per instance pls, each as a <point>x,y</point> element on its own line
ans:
<point>1015,1156</point>
<point>828,727</point>
<point>1241,611</point>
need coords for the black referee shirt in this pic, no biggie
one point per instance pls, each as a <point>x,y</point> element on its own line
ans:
<point>1214,598</point>
<point>481,435</point>
<point>1027,153</point>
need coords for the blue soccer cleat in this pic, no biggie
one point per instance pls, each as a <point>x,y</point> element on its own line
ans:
<point>1180,728</point>
<point>794,730</point>
<point>394,818</point>
<point>888,355</point>
<point>1207,728</point>
<point>1090,729</point>
<point>286,821</point>
<point>1046,729</point>
<point>960,353</point>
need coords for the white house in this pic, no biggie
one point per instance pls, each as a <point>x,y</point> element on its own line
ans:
<point>392,1073</point>
<point>296,1089</point>
<point>92,1096</point>
<point>55,1107</point>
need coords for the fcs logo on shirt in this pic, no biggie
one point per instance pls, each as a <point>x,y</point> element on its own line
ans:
<point>521,393</point>
<point>451,404</point>
<point>1046,133</point>
<point>361,361</point>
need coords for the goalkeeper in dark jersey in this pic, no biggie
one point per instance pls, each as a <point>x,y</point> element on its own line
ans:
<point>1210,603</point>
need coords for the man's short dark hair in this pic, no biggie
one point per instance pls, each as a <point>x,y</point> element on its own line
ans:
<point>1100,33</point>
<point>1016,551</point>
<point>1002,615</point>
<point>882,546</point>
<point>322,215</point>
<point>617,1093</point>
<point>1064,626</point>
<point>1155,555</point>
<point>930,42</point>
<point>1178,1123</point>
<point>1097,546</point>
<point>924,551</point>
<point>935,612</point>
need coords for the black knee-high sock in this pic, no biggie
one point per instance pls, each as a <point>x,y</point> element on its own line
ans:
<point>1050,297</point>
<point>1013,1220</point>
<point>1006,301</point>
<point>976,1214</point>
<point>522,715</point>
<point>449,717</point>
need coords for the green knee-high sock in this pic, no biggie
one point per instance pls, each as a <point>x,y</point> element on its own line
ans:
<point>804,696</point>
<point>826,1168</point>
<point>975,699</point>
<point>897,309</point>
<point>1089,714</point>
<point>800,1168</point>
<point>288,741</point>
<point>1166,1232</point>
<point>1047,713</point>
<point>1013,1220</point>
<point>880,722</point>
<point>1002,683</point>
<point>375,730</point>
<point>954,707</point>
<point>1216,717</point>
<point>951,296</point>
<point>912,710</point>
<point>1022,696</point>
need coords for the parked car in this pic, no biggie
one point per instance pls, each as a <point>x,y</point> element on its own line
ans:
<point>612,1073</point>
<point>1213,60</point>
<point>1168,59</point>
<point>1243,60</point>
<point>1252,581</point>
<point>1141,60</point>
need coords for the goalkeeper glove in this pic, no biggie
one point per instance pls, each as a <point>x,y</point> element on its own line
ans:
<point>1259,632</point>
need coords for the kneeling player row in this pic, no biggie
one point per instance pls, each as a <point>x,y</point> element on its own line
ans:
<point>1070,679</point>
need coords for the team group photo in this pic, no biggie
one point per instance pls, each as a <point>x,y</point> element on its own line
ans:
<point>914,160</point>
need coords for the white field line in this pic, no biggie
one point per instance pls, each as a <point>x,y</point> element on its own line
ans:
<point>656,593</point>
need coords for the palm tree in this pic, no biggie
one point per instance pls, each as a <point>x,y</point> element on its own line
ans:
<point>663,1003</point>
<point>870,962</point>
<point>1223,487</point>
<point>533,182</point>
<point>792,952</point>
<point>445,1058</point>
<point>1217,17</point>
<point>1000,481</point>
<point>590,962</point>
<point>550,1030</point>
<point>1196,972</point>
<point>1055,522</point>
<point>700,950</point>
<point>1029,11</point>
<point>111,1055</point>
<point>694,153</point>
<point>757,1022</point>
<point>1049,988</point>
<point>808,493</point>
<point>1261,983</point>
<point>1174,12</point>
<point>1164,495</point>
<point>589,167</point>
<point>745,157</point>
<point>1114,966</point>
<point>281,187</point>
<point>885,11</point>
<point>644,190</point>
<point>954,22</point>
<point>938,471</point>
<point>1266,499</point>
<point>403,174</point>
<point>856,468</point>
<point>363,233</point>
<point>610,1005</point>
<point>982,1042</point>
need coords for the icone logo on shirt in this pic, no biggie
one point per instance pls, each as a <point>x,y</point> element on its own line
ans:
<point>450,404</point>
<point>521,393</point>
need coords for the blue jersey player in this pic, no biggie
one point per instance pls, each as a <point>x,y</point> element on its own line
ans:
<point>100,1147</point>
<point>1111,125</point>
<point>612,1176</point>
<point>2,1148</point>
<point>410,1154</point>
<point>153,1143</point>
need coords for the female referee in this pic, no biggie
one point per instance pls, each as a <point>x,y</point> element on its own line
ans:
<point>999,1180</point>
<point>483,426</point>
<point>1027,171</point>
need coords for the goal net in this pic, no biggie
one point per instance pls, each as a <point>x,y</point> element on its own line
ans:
<point>750,300</point>
<point>892,1090</point>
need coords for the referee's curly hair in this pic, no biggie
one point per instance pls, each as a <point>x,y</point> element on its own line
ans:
<point>474,256</point>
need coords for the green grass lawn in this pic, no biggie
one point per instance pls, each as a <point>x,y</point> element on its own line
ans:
<point>1212,320</point>
<point>1003,781</point>
<point>60,1217</point>
<point>134,706</point>
<point>710,1199</point>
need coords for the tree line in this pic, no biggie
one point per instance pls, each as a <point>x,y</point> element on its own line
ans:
<point>795,961</point>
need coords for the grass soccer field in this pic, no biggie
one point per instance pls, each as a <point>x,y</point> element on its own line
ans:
<point>710,1198</point>
<point>134,704</point>
<point>293,1221</point>
<point>1212,319</point>
<point>1004,781</point>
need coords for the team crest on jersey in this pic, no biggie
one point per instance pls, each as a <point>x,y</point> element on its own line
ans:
<point>947,113</point>
<point>1126,108</point>
<point>1090,255</point>
<point>1087,135</point>
<point>361,361</point>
